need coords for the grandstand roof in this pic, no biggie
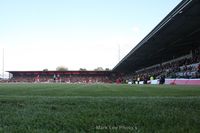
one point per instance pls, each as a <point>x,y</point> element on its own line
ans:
<point>173,37</point>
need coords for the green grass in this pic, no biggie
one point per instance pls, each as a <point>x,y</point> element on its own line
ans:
<point>99,108</point>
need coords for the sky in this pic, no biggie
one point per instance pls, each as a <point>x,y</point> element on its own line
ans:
<point>40,34</point>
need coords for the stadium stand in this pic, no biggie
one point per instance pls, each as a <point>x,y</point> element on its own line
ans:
<point>171,50</point>
<point>61,76</point>
<point>182,68</point>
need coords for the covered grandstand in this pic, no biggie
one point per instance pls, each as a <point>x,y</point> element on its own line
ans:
<point>61,76</point>
<point>175,38</point>
<point>174,42</point>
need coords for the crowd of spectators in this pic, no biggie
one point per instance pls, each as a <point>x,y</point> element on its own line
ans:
<point>61,79</point>
<point>188,67</point>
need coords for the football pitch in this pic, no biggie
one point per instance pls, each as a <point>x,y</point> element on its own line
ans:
<point>99,108</point>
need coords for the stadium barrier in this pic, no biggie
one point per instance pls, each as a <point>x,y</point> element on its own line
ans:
<point>182,81</point>
<point>178,81</point>
<point>154,82</point>
<point>141,82</point>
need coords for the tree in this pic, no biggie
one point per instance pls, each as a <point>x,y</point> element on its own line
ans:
<point>61,68</point>
<point>83,69</point>
<point>98,69</point>
<point>45,69</point>
<point>107,69</point>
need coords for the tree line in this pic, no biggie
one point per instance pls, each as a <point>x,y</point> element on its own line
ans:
<point>63,68</point>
